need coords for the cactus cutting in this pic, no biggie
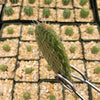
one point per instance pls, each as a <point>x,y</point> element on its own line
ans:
<point>49,50</point>
<point>53,50</point>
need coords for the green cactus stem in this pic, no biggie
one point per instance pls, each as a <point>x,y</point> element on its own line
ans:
<point>84,12</point>
<point>72,49</point>
<point>65,2</point>
<point>97,70</point>
<point>30,30</point>
<point>53,50</point>
<point>10,30</point>
<point>8,11</point>
<point>47,1</point>
<point>26,95</point>
<point>31,1</point>
<point>29,70</point>
<point>14,1</point>
<point>83,2</point>
<point>46,12</point>
<point>29,48</point>
<point>90,30</point>
<point>95,49</point>
<point>28,10</point>
<point>69,31</point>
<point>3,67</point>
<point>6,47</point>
<point>66,13</point>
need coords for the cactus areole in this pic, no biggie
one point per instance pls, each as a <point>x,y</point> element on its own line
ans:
<point>53,50</point>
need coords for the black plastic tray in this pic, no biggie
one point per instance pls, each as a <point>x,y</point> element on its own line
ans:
<point>93,7</point>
